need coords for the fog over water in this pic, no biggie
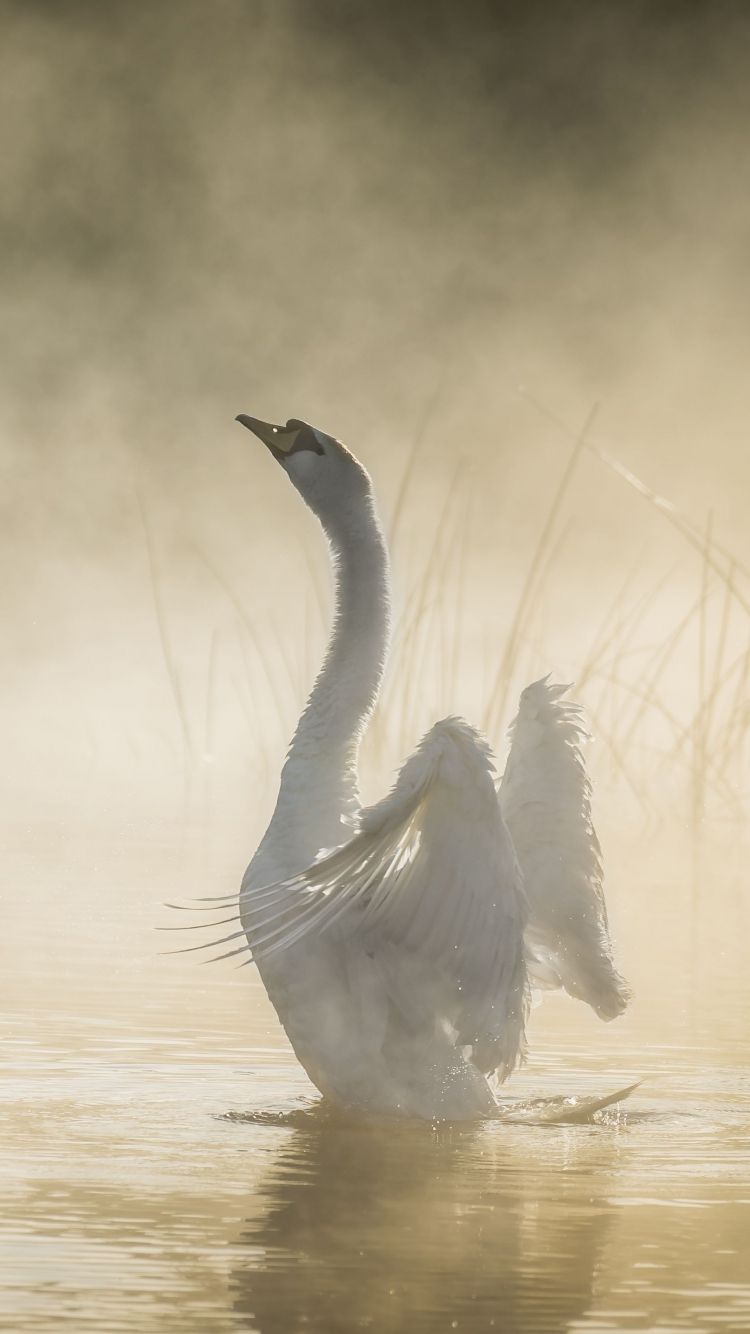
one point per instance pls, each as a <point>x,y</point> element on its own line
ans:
<point>457,237</point>
<point>382,223</point>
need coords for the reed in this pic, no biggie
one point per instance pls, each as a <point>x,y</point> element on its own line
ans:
<point>499,697</point>
<point>165,642</point>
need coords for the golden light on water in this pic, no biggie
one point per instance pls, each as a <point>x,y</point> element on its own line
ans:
<point>501,254</point>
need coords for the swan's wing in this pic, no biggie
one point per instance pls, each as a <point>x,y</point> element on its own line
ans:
<point>432,874</point>
<point>545,800</point>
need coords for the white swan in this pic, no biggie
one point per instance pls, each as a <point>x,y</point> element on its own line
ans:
<point>400,962</point>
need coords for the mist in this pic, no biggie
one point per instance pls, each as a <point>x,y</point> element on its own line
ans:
<point>402,226</point>
<point>500,250</point>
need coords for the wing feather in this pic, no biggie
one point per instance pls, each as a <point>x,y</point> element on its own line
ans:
<point>431,872</point>
<point>545,797</point>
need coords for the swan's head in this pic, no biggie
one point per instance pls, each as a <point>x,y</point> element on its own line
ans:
<point>328,477</point>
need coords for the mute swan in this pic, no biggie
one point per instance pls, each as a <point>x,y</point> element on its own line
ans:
<point>400,962</point>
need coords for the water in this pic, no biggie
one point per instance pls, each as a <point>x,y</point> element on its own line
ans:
<point>167,1166</point>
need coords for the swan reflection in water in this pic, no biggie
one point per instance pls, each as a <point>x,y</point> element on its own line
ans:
<point>401,1227</point>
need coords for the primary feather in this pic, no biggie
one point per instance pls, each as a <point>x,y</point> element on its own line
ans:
<point>546,800</point>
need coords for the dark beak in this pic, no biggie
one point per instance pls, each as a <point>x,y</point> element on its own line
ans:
<point>265,431</point>
<point>277,438</point>
<point>283,440</point>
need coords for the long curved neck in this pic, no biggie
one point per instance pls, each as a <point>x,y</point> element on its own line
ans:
<point>319,780</point>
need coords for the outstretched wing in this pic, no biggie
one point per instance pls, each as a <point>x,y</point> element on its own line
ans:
<point>431,872</point>
<point>545,799</point>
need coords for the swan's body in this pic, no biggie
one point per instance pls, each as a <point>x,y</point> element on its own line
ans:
<point>400,962</point>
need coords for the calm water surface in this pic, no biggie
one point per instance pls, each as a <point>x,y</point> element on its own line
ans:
<point>167,1166</point>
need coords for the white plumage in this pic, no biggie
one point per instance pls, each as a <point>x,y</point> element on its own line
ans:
<point>431,874</point>
<point>545,796</point>
<point>400,962</point>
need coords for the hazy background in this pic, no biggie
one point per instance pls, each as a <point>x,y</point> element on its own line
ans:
<point>382,218</point>
<point>446,233</point>
<point>456,236</point>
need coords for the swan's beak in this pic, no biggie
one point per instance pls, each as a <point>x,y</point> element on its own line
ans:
<point>279,439</point>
